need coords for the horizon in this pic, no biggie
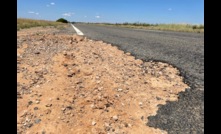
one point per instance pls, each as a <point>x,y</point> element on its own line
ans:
<point>98,11</point>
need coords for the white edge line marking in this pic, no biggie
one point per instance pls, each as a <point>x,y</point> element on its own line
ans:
<point>77,30</point>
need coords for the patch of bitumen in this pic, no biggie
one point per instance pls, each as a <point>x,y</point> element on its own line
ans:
<point>181,117</point>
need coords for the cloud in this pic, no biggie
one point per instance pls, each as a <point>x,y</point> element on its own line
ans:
<point>97,16</point>
<point>52,3</point>
<point>68,14</point>
<point>31,12</point>
<point>85,16</point>
<point>169,9</point>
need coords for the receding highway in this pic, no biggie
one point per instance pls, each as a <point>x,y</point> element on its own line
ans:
<point>182,50</point>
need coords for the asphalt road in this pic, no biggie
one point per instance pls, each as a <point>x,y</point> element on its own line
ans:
<point>182,50</point>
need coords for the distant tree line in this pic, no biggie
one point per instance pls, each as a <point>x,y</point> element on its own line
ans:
<point>62,20</point>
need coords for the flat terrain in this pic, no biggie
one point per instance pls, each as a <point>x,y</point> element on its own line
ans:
<point>67,84</point>
<point>182,50</point>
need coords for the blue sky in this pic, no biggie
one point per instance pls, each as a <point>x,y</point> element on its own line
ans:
<point>148,11</point>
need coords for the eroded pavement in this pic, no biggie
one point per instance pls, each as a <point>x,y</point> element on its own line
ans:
<point>70,84</point>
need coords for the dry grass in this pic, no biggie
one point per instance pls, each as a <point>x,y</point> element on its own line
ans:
<point>165,27</point>
<point>27,23</point>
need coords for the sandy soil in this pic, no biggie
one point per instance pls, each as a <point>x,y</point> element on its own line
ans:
<point>68,84</point>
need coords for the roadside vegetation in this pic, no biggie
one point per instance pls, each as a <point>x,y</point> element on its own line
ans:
<point>28,23</point>
<point>167,27</point>
<point>62,20</point>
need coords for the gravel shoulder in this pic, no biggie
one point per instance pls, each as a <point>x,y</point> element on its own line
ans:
<point>72,84</point>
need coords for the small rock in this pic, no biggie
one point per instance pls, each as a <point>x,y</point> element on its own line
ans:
<point>37,121</point>
<point>48,105</point>
<point>119,89</point>
<point>142,118</point>
<point>48,111</point>
<point>92,106</point>
<point>29,125</point>
<point>65,65</point>
<point>37,52</point>
<point>69,107</point>
<point>125,124</point>
<point>158,98</point>
<point>35,108</point>
<point>24,114</point>
<point>30,102</point>
<point>65,53</point>
<point>128,54</point>
<point>63,109</point>
<point>93,123</point>
<point>37,102</point>
<point>117,95</point>
<point>70,74</point>
<point>115,117</point>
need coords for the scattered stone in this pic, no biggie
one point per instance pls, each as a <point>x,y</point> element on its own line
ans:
<point>30,102</point>
<point>37,102</point>
<point>69,107</point>
<point>126,124</point>
<point>70,74</point>
<point>48,105</point>
<point>65,65</point>
<point>35,108</point>
<point>107,126</point>
<point>37,121</point>
<point>48,111</point>
<point>128,54</point>
<point>142,118</point>
<point>158,98</point>
<point>119,89</point>
<point>115,117</point>
<point>141,104</point>
<point>93,123</point>
<point>92,106</point>
<point>19,95</point>
<point>37,52</point>
<point>29,125</point>
<point>117,95</point>
<point>24,114</point>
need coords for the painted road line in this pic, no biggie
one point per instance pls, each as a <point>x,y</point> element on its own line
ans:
<point>77,30</point>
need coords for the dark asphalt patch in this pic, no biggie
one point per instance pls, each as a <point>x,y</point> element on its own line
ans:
<point>181,117</point>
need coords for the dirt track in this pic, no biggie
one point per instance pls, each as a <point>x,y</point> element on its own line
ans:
<point>70,84</point>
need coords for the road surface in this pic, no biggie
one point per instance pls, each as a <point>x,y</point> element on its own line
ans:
<point>182,50</point>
